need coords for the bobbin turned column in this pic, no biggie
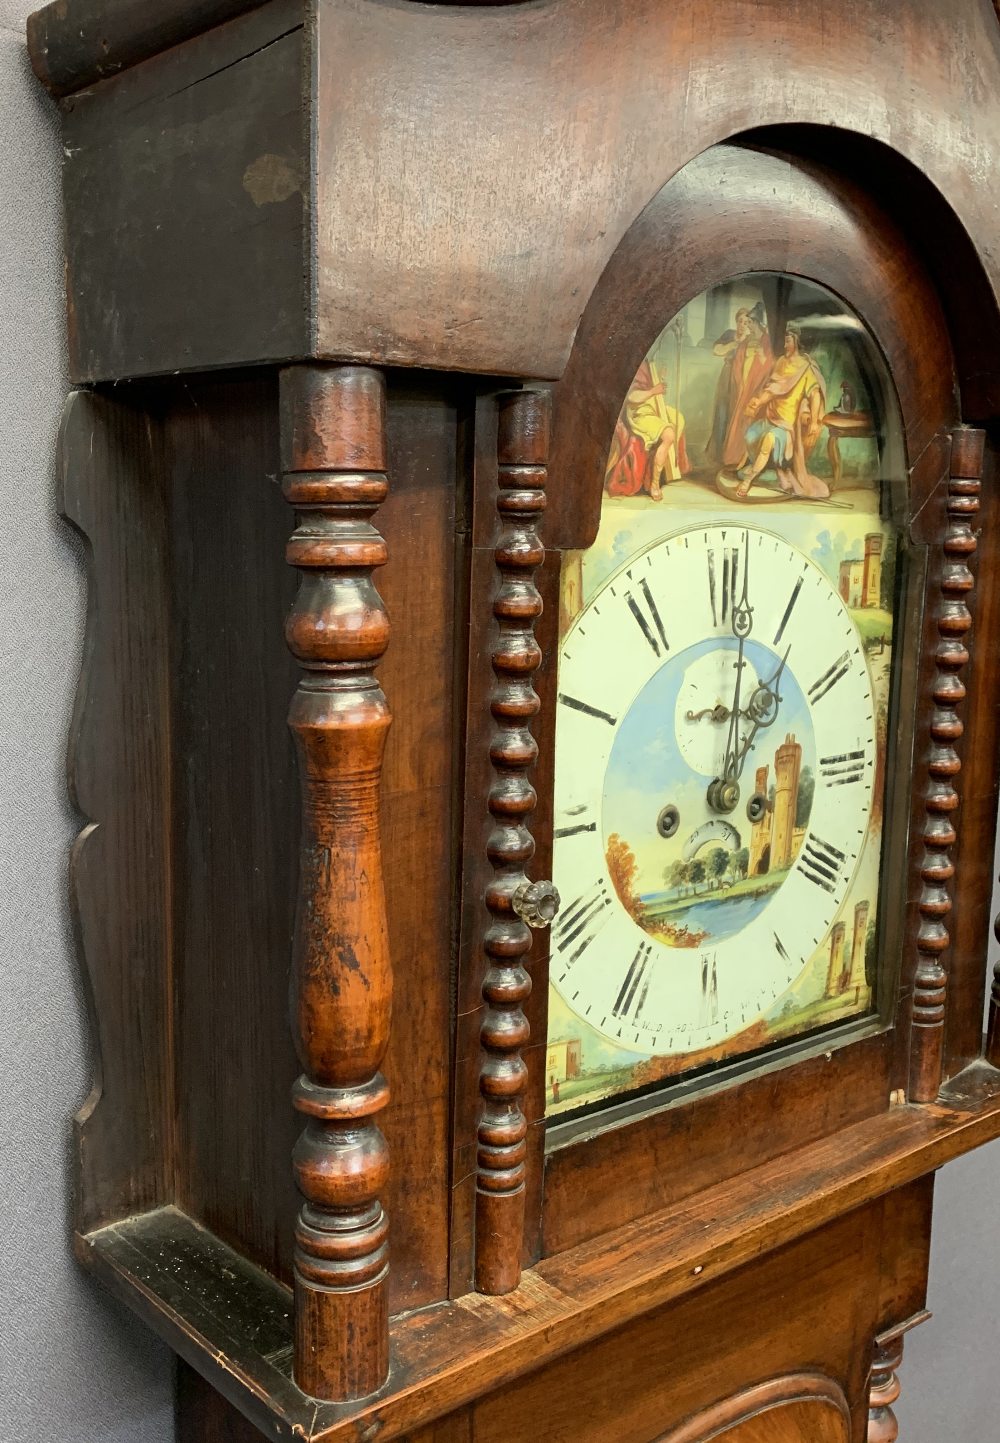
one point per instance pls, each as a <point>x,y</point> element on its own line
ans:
<point>514,904</point>
<point>941,798</point>
<point>333,457</point>
<point>884,1389</point>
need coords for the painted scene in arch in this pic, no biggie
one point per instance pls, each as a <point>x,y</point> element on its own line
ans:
<point>763,404</point>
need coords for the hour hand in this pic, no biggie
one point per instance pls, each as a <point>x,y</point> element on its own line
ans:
<point>741,618</point>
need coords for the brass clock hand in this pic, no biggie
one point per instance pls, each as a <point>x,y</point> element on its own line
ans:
<point>763,708</point>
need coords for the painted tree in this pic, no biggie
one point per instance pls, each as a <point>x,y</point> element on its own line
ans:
<point>676,875</point>
<point>696,872</point>
<point>623,870</point>
<point>718,864</point>
<point>804,801</point>
<point>740,861</point>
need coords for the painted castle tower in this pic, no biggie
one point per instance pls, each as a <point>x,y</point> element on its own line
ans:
<point>787,766</point>
<point>861,576</point>
<point>760,835</point>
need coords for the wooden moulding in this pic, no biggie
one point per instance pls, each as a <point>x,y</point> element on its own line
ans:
<point>334,459</point>
<point>522,454</point>
<point>232,1321</point>
<point>953,620</point>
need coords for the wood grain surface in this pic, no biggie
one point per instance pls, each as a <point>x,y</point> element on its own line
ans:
<point>112,488</point>
<point>446,1357</point>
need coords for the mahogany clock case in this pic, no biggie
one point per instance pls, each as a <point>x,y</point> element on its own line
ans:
<point>189,467</point>
<point>187,293</point>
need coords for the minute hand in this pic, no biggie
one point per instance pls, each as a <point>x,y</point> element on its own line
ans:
<point>763,711</point>
<point>741,621</point>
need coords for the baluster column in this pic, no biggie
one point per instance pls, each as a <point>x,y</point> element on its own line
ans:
<point>334,463</point>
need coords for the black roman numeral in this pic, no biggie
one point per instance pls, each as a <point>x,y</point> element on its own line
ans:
<point>647,625</point>
<point>581,921</point>
<point>788,610</point>
<point>587,709</point>
<point>729,570</point>
<point>821,862</point>
<point>634,990</point>
<point>829,679</point>
<point>842,770</point>
<point>575,829</point>
<point>781,948</point>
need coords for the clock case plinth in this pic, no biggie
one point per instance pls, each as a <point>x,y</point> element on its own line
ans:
<point>247,216</point>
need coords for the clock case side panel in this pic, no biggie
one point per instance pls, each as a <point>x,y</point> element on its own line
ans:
<point>733,210</point>
<point>183,759</point>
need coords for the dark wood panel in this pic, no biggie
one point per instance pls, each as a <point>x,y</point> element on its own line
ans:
<point>237,801</point>
<point>811,1306</point>
<point>568,86</point>
<point>562,130</point>
<point>664,1157</point>
<point>112,490</point>
<point>236,809</point>
<point>73,45</point>
<point>422,588</point>
<point>788,1409</point>
<point>906,1241</point>
<point>203,1415</point>
<point>190,171</point>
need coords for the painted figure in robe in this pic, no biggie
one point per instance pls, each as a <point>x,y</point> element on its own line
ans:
<point>649,447</point>
<point>786,418</point>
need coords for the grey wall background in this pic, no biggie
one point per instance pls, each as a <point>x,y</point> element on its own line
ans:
<point>72,1364</point>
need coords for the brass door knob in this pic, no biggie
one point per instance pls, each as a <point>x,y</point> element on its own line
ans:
<point>536,903</point>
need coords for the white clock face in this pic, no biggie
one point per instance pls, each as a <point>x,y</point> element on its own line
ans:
<point>716,766</point>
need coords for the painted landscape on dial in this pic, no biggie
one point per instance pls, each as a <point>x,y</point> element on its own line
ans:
<point>748,483</point>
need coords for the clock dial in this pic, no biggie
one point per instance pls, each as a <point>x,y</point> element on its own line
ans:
<point>723,703</point>
<point>692,935</point>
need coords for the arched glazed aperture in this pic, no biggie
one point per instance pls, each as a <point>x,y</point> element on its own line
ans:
<point>725,697</point>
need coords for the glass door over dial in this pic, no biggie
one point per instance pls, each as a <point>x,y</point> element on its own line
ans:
<point>724,700</point>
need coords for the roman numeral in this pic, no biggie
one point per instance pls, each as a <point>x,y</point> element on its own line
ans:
<point>842,770</point>
<point>788,610</point>
<point>582,919</point>
<point>781,947</point>
<point>575,830</point>
<point>647,625</point>
<point>587,709</point>
<point>635,988</point>
<point>821,862</point>
<point>729,570</point>
<point>829,679</point>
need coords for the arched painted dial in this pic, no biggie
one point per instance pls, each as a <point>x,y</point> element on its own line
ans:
<point>722,653</point>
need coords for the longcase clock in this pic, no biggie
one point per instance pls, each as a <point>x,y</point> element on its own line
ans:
<point>604,792</point>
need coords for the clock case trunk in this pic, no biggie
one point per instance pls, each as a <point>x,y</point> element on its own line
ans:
<point>184,876</point>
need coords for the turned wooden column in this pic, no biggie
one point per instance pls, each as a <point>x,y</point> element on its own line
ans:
<point>522,454</point>
<point>941,798</point>
<point>884,1389</point>
<point>334,460</point>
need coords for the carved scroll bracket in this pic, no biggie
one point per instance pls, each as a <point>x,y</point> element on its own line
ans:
<point>334,459</point>
<point>941,800</point>
<point>522,454</point>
